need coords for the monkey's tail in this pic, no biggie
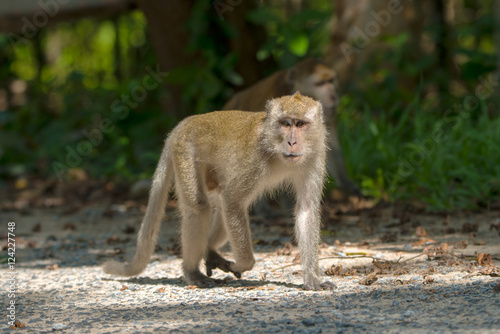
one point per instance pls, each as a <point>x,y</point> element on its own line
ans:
<point>148,233</point>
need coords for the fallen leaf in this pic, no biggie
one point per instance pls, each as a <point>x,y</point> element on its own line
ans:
<point>428,280</point>
<point>433,251</point>
<point>484,259</point>
<point>401,271</point>
<point>123,288</point>
<point>420,232</point>
<point>423,242</point>
<point>52,266</point>
<point>461,244</point>
<point>348,272</point>
<point>477,243</point>
<point>400,282</point>
<point>492,271</point>
<point>191,287</point>
<point>370,279</point>
<point>383,265</point>
<point>17,324</point>
<point>161,290</point>
<point>334,270</point>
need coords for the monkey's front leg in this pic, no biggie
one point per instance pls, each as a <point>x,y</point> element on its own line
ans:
<point>238,228</point>
<point>307,230</point>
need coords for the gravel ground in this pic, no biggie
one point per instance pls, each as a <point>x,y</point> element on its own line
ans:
<point>60,286</point>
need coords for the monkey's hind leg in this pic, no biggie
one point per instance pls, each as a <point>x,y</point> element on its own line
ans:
<point>217,238</point>
<point>194,236</point>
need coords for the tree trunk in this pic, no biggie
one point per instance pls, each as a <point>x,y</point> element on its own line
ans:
<point>166,26</point>
<point>359,23</point>
<point>246,44</point>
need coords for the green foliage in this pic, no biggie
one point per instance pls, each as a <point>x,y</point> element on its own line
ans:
<point>403,136</point>
<point>446,162</point>
<point>294,36</point>
<point>74,95</point>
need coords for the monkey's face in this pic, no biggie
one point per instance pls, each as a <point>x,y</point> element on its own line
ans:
<point>290,127</point>
<point>293,131</point>
<point>321,86</point>
<point>326,94</point>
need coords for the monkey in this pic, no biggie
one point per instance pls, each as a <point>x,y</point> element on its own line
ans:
<point>219,163</point>
<point>312,78</point>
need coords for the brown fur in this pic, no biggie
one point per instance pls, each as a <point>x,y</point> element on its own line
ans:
<point>221,162</point>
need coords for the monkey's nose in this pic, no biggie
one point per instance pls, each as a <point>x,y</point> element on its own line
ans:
<point>292,143</point>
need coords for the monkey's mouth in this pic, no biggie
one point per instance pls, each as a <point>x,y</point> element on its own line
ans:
<point>292,157</point>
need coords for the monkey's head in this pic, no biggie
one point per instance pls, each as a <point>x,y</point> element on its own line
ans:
<point>313,78</point>
<point>294,127</point>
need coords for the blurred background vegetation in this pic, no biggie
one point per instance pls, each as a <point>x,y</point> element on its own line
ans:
<point>419,87</point>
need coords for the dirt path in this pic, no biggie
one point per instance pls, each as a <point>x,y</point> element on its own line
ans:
<point>59,285</point>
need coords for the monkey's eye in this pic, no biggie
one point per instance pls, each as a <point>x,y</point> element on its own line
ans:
<point>300,124</point>
<point>286,123</point>
<point>320,83</point>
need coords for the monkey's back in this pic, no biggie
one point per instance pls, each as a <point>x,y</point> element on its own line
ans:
<point>254,98</point>
<point>227,136</point>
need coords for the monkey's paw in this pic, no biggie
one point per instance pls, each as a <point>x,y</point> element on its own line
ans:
<point>320,286</point>
<point>195,277</point>
<point>214,261</point>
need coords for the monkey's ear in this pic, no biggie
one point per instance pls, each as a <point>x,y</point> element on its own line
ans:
<point>273,107</point>
<point>270,104</point>
<point>291,76</point>
<point>316,112</point>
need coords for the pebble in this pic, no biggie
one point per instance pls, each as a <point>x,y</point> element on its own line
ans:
<point>308,322</point>
<point>422,297</point>
<point>59,327</point>
<point>408,313</point>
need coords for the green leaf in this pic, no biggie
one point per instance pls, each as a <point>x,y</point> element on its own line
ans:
<point>299,45</point>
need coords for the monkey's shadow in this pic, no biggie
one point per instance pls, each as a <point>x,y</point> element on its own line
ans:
<point>232,283</point>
